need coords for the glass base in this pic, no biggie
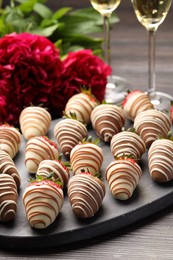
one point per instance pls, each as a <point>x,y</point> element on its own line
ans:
<point>161,101</point>
<point>116,89</point>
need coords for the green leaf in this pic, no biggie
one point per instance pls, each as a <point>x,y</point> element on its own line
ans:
<point>91,14</point>
<point>5,28</point>
<point>42,10</point>
<point>58,43</point>
<point>48,31</point>
<point>61,12</point>
<point>98,52</point>
<point>73,48</point>
<point>16,19</point>
<point>79,24</point>
<point>27,6</point>
<point>87,21</point>
<point>78,42</point>
<point>19,25</point>
<point>84,40</point>
<point>48,22</point>
<point>23,1</point>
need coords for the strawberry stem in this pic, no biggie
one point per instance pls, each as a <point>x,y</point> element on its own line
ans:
<point>90,140</point>
<point>49,177</point>
<point>88,92</point>
<point>125,156</point>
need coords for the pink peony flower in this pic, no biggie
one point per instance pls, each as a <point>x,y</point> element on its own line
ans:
<point>30,72</point>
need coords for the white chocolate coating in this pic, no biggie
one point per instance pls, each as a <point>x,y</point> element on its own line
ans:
<point>107,120</point>
<point>8,198</point>
<point>42,204</point>
<point>53,166</point>
<point>86,194</point>
<point>7,166</point>
<point>88,157</point>
<point>34,121</point>
<point>37,150</point>
<point>10,140</point>
<point>123,176</point>
<point>137,103</point>
<point>127,143</point>
<point>151,124</point>
<point>160,160</point>
<point>82,105</point>
<point>69,132</point>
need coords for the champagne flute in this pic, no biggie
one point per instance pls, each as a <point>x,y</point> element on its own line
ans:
<point>151,13</point>
<point>116,87</point>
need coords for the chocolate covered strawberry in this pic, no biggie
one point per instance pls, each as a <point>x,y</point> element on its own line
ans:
<point>57,168</point>
<point>151,124</point>
<point>107,120</point>
<point>82,105</point>
<point>135,102</point>
<point>7,166</point>
<point>10,139</point>
<point>38,149</point>
<point>34,121</point>
<point>8,198</point>
<point>86,194</point>
<point>160,160</point>
<point>43,200</point>
<point>86,156</point>
<point>69,132</point>
<point>123,175</point>
<point>127,143</point>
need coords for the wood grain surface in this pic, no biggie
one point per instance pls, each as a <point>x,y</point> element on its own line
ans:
<point>151,238</point>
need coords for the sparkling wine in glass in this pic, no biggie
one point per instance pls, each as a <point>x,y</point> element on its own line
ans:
<point>151,13</point>
<point>116,86</point>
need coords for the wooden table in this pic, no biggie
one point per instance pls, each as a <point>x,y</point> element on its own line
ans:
<point>151,238</point>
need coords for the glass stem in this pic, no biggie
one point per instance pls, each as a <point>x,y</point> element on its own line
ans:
<point>151,63</point>
<point>107,54</point>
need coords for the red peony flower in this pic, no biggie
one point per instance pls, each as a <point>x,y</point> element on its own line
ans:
<point>30,72</point>
<point>82,68</point>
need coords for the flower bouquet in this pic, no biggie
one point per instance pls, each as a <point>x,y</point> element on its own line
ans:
<point>47,57</point>
<point>32,72</point>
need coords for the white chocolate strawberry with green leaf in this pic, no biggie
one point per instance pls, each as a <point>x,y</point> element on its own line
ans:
<point>43,200</point>
<point>82,105</point>
<point>38,149</point>
<point>135,102</point>
<point>107,120</point>
<point>87,156</point>
<point>86,193</point>
<point>151,124</point>
<point>34,121</point>
<point>123,176</point>
<point>57,168</point>
<point>160,160</point>
<point>69,132</point>
<point>127,143</point>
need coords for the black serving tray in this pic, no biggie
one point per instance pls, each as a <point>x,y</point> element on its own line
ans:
<point>148,198</point>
